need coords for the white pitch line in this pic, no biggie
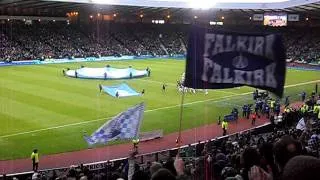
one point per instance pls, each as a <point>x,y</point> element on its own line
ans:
<point>152,81</point>
<point>172,84</point>
<point>151,110</point>
<point>100,119</point>
<point>299,84</point>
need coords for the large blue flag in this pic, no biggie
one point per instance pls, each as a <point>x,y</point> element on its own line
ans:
<point>219,59</point>
<point>125,125</point>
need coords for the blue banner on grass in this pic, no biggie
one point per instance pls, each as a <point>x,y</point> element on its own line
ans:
<point>123,90</point>
<point>219,59</point>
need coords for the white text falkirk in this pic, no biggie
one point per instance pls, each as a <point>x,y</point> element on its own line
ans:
<point>215,73</point>
<point>257,45</point>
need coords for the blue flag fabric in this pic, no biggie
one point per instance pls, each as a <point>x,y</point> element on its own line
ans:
<point>123,90</point>
<point>220,59</point>
<point>125,125</point>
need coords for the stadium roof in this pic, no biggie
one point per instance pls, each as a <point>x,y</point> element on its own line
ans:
<point>311,8</point>
<point>205,4</point>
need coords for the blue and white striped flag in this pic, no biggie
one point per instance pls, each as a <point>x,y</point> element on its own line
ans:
<point>125,125</point>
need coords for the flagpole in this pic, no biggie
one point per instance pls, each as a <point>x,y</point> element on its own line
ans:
<point>180,117</point>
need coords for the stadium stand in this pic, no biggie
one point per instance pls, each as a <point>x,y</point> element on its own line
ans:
<point>59,40</point>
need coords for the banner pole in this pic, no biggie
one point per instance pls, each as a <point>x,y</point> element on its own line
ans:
<point>180,118</point>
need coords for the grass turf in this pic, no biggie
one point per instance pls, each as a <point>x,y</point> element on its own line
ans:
<point>37,98</point>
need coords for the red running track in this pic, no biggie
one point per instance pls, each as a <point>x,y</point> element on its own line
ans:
<point>122,150</point>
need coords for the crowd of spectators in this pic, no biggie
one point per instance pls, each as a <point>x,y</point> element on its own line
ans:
<point>303,45</point>
<point>10,49</point>
<point>150,39</point>
<point>59,40</point>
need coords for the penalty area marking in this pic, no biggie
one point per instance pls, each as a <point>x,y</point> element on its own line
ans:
<point>151,110</point>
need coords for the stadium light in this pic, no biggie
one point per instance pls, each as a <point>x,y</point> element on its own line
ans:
<point>204,4</point>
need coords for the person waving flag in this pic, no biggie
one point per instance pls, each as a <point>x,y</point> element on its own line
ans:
<point>124,126</point>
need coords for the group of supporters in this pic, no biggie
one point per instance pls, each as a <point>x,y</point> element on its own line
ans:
<point>59,40</point>
<point>264,106</point>
<point>311,106</point>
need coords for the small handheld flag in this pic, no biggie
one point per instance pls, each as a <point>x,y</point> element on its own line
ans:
<point>301,125</point>
<point>125,125</point>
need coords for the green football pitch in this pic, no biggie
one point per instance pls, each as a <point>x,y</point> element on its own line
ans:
<point>40,108</point>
